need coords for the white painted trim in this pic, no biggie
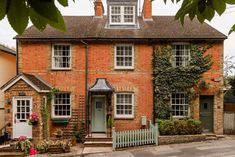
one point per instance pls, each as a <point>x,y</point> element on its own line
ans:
<point>53,116</point>
<point>14,99</point>
<point>122,15</point>
<point>27,81</point>
<point>52,57</point>
<point>187,104</point>
<point>133,106</point>
<point>133,57</point>
<point>105,112</point>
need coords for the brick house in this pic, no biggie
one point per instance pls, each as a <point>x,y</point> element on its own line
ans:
<point>102,67</point>
<point>7,71</point>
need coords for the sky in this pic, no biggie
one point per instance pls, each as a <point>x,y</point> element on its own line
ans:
<point>86,7</point>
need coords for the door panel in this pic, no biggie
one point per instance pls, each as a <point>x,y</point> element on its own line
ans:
<point>206,112</point>
<point>22,107</point>
<point>98,114</point>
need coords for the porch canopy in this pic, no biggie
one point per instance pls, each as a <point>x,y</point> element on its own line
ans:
<point>101,85</point>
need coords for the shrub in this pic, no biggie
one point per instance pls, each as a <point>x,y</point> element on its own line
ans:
<point>179,127</point>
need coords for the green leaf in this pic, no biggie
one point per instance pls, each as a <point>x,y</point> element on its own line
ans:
<point>208,13</point>
<point>232,29</point>
<point>219,6</point>
<point>63,2</point>
<point>18,15</point>
<point>38,21</point>
<point>60,24</point>
<point>3,6</point>
<point>230,1</point>
<point>46,9</point>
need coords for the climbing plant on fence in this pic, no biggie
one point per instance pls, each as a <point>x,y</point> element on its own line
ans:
<point>46,103</point>
<point>168,79</point>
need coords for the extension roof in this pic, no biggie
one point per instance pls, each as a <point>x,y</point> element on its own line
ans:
<point>7,50</point>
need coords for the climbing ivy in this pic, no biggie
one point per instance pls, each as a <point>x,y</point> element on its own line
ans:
<point>168,79</point>
<point>44,112</point>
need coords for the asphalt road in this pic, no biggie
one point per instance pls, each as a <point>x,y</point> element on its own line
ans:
<point>218,148</point>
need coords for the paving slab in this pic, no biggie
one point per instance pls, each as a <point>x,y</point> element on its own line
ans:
<point>95,150</point>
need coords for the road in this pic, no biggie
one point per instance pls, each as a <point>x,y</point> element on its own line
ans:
<point>217,148</point>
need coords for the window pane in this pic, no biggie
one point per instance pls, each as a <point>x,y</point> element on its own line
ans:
<point>61,56</point>
<point>181,55</point>
<point>124,56</point>
<point>179,105</point>
<point>124,104</point>
<point>62,104</point>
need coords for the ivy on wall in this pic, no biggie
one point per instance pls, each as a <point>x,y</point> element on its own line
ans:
<point>168,79</point>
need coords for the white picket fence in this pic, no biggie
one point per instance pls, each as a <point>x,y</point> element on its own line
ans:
<point>229,122</point>
<point>139,137</point>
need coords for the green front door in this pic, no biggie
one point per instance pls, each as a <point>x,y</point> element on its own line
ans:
<point>206,113</point>
<point>98,114</point>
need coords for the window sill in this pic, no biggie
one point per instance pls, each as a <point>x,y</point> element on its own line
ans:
<point>124,69</point>
<point>123,118</point>
<point>69,69</point>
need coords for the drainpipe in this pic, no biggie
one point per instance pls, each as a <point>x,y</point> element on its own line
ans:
<point>86,85</point>
<point>17,60</point>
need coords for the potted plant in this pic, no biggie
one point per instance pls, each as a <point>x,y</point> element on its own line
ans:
<point>59,133</point>
<point>110,125</point>
<point>33,119</point>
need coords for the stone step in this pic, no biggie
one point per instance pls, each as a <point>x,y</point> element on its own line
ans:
<point>90,139</point>
<point>98,143</point>
<point>211,138</point>
<point>12,154</point>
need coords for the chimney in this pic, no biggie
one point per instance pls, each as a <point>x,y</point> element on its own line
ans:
<point>99,8</point>
<point>147,10</point>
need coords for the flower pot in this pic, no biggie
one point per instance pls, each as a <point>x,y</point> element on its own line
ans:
<point>34,122</point>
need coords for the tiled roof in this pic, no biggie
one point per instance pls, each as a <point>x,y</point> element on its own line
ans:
<point>160,28</point>
<point>7,50</point>
<point>34,81</point>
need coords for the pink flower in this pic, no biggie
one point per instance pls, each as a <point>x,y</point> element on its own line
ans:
<point>22,138</point>
<point>32,151</point>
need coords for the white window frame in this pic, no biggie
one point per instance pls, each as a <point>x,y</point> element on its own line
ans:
<point>122,14</point>
<point>124,116</point>
<point>180,116</point>
<point>53,60</point>
<point>53,107</point>
<point>133,57</point>
<point>184,63</point>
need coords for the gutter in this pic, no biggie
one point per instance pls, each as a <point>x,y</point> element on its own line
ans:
<point>17,57</point>
<point>86,86</point>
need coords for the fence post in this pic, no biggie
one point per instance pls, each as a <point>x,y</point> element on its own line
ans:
<point>114,138</point>
<point>157,133</point>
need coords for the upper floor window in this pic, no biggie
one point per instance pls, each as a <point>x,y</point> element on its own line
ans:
<point>180,106</point>
<point>61,56</point>
<point>61,106</point>
<point>122,15</point>
<point>181,55</point>
<point>124,57</point>
<point>124,105</point>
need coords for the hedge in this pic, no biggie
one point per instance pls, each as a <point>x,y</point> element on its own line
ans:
<point>180,127</point>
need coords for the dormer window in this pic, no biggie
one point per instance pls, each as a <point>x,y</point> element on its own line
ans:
<point>122,15</point>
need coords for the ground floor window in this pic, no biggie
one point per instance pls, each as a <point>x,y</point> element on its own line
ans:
<point>62,105</point>
<point>124,105</point>
<point>180,106</point>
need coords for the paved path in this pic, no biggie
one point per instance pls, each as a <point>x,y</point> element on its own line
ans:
<point>218,148</point>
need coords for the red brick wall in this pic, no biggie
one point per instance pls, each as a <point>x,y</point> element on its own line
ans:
<point>35,58</point>
<point>21,86</point>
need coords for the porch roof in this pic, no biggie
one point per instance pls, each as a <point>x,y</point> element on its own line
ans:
<point>101,85</point>
<point>34,81</point>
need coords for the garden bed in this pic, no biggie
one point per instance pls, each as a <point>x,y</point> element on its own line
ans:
<point>172,139</point>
